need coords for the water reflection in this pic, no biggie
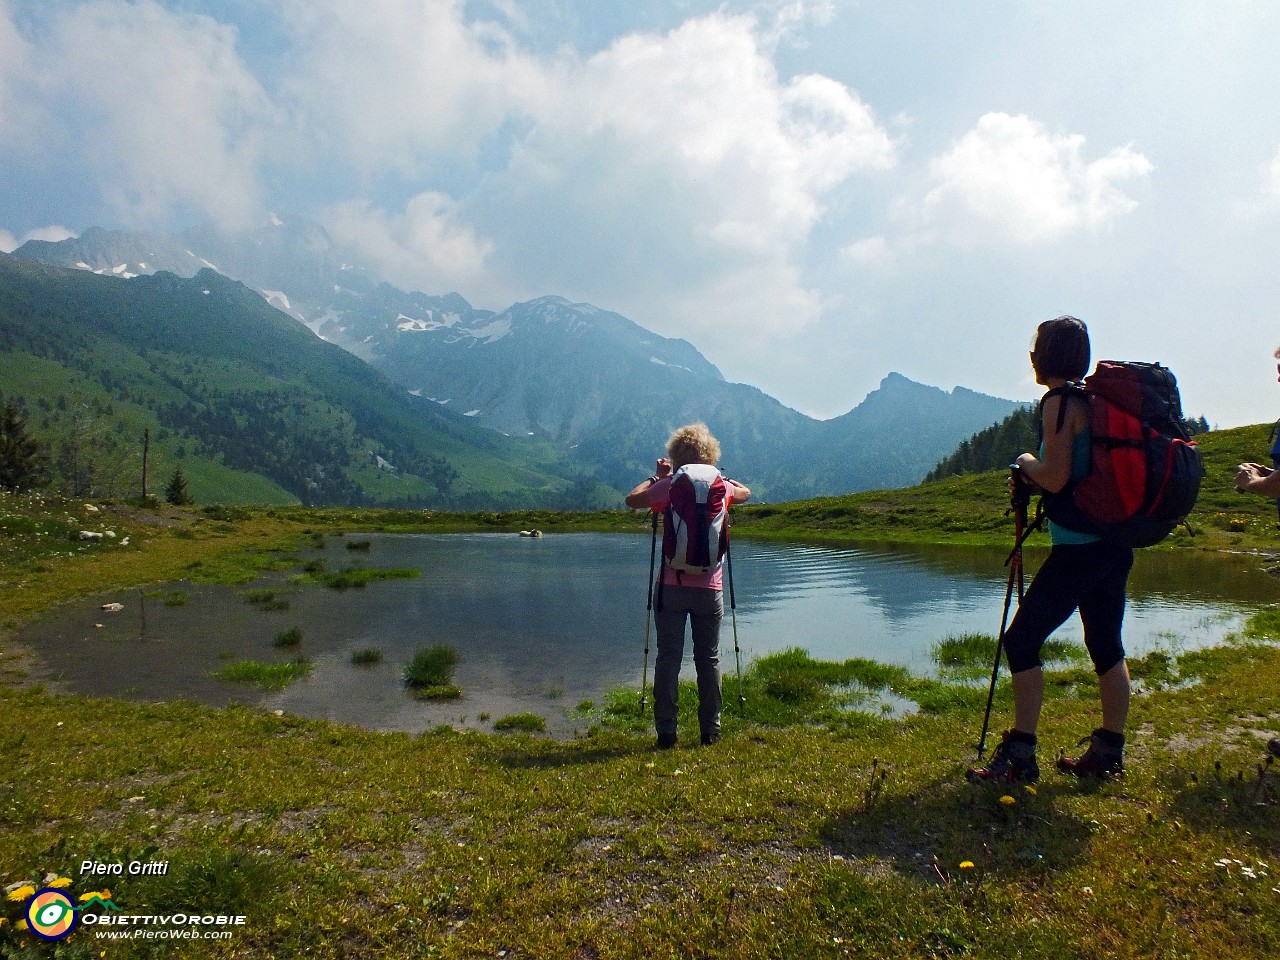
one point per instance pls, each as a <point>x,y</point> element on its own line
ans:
<point>541,624</point>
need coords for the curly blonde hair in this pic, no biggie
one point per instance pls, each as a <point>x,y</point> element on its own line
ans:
<point>693,443</point>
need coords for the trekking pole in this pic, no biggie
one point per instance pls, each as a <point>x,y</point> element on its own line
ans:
<point>648,614</point>
<point>733,616</point>
<point>1018,501</point>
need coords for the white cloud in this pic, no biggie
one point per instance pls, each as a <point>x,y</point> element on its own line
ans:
<point>52,233</point>
<point>173,117</point>
<point>426,246</point>
<point>1271,181</point>
<point>668,165</point>
<point>14,66</point>
<point>706,104</point>
<point>1010,178</point>
<point>392,84</point>
<point>873,252</point>
<point>788,18</point>
<point>757,301</point>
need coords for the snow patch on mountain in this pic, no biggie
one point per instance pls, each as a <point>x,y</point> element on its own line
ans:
<point>203,260</point>
<point>408,324</point>
<point>277,299</point>
<point>673,366</point>
<point>493,331</point>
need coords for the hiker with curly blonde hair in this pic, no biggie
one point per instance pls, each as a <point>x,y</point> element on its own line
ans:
<point>694,499</point>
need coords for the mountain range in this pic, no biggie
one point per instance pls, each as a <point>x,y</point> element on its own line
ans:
<point>582,396</point>
<point>244,399</point>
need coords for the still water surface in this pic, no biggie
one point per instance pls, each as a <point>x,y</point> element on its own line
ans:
<point>542,624</point>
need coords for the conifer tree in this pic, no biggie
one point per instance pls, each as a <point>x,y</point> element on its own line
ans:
<point>176,492</point>
<point>23,462</point>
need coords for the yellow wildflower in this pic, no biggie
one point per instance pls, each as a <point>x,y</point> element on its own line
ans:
<point>3,921</point>
<point>1007,800</point>
<point>1031,790</point>
<point>966,864</point>
<point>21,925</point>
<point>21,893</point>
<point>61,883</point>
<point>100,894</point>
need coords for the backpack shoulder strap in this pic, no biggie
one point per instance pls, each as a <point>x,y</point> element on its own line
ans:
<point>1066,391</point>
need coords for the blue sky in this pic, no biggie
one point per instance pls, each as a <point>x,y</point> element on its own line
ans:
<point>813,192</point>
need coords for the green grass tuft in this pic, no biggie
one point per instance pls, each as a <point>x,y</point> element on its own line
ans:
<point>436,691</point>
<point>288,638</point>
<point>269,676</point>
<point>431,667</point>
<point>265,599</point>
<point>523,722</point>
<point>354,578</point>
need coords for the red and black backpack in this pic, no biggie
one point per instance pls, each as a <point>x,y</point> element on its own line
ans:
<point>1144,471</point>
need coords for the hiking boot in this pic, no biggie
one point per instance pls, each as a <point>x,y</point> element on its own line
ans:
<point>710,739</point>
<point>1012,761</point>
<point>1273,746</point>
<point>1102,759</point>
<point>666,741</point>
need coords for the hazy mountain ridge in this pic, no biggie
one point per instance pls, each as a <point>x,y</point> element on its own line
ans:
<point>601,388</point>
<point>116,253</point>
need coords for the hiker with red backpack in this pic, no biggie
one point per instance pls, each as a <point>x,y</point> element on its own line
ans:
<point>1116,470</point>
<point>693,498</point>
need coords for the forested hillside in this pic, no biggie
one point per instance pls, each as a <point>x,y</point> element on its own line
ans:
<point>999,445</point>
<point>252,404</point>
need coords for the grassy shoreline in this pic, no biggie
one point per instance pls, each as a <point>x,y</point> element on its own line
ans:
<point>787,839</point>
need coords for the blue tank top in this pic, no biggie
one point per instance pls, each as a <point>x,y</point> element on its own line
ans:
<point>1081,451</point>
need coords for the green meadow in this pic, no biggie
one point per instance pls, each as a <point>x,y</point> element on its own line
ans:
<point>824,824</point>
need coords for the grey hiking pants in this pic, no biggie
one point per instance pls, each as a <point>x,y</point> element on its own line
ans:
<point>705,611</point>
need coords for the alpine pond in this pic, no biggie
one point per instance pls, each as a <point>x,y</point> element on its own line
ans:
<point>542,624</point>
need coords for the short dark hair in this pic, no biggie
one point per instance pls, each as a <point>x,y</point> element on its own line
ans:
<point>1061,348</point>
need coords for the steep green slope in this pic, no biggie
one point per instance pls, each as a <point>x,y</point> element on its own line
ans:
<point>252,405</point>
<point>96,440</point>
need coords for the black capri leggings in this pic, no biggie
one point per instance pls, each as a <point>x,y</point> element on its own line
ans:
<point>1090,577</point>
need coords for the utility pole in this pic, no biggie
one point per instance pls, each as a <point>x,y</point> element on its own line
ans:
<point>146,452</point>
